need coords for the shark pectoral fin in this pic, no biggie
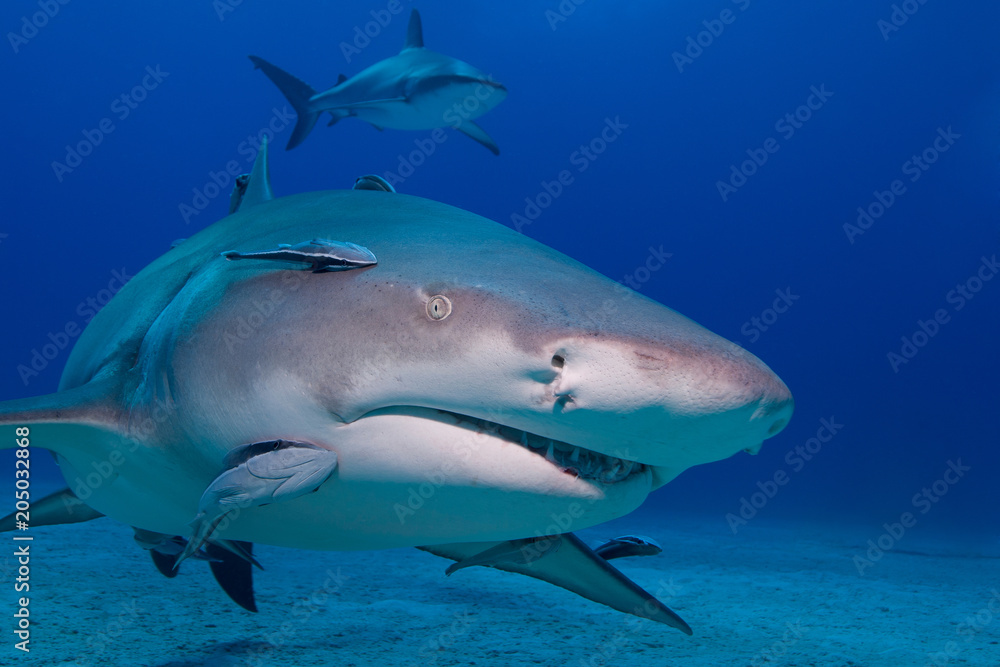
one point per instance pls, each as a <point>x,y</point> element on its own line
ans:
<point>82,419</point>
<point>234,572</point>
<point>253,188</point>
<point>414,32</point>
<point>259,474</point>
<point>56,509</point>
<point>511,552</point>
<point>298,93</point>
<point>320,254</point>
<point>627,546</point>
<point>564,560</point>
<point>473,131</point>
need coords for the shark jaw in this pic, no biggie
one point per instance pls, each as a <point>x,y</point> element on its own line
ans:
<point>569,459</point>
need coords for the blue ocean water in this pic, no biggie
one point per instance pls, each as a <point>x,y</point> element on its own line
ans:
<point>823,176</point>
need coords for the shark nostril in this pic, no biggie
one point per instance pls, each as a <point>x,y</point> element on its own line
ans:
<point>777,426</point>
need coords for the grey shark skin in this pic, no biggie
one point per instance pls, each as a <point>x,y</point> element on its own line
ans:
<point>473,387</point>
<point>417,89</point>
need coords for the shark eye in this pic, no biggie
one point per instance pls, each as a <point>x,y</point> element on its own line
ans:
<point>438,307</point>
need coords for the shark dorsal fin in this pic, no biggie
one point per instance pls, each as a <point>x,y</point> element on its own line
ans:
<point>257,187</point>
<point>414,32</point>
<point>341,79</point>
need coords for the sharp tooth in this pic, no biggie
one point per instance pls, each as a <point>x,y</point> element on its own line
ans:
<point>575,456</point>
<point>524,438</point>
<point>549,453</point>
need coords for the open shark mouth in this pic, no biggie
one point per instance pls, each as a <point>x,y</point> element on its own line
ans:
<point>571,459</point>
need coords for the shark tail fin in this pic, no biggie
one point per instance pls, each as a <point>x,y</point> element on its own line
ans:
<point>298,93</point>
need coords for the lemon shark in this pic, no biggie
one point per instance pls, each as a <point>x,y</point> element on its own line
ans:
<point>362,369</point>
<point>417,89</point>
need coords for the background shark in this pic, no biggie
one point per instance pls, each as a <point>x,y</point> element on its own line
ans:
<point>416,89</point>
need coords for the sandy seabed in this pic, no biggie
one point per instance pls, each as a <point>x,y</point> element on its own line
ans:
<point>775,594</point>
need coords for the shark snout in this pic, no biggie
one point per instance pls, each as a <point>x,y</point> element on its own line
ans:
<point>667,404</point>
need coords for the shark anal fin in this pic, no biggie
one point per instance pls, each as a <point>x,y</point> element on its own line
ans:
<point>56,509</point>
<point>260,474</point>
<point>476,133</point>
<point>564,560</point>
<point>233,573</point>
<point>320,254</point>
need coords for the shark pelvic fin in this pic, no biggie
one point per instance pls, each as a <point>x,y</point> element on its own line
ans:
<point>564,560</point>
<point>476,133</point>
<point>414,32</point>
<point>233,572</point>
